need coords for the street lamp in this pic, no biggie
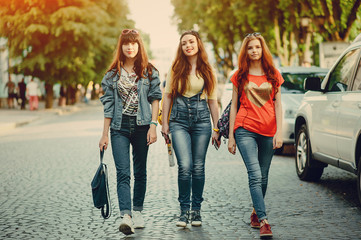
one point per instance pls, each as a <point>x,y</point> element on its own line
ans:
<point>305,22</point>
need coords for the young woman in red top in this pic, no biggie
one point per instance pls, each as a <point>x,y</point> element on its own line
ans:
<point>257,124</point>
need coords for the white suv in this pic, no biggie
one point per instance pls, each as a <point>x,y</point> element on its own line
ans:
<point>328,121</point>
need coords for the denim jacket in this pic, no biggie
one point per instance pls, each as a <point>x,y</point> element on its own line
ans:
<point>148,91</point>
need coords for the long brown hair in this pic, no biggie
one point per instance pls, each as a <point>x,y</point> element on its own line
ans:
<point>181,69</point>
<point>141,62</point>
<point>266,61</point>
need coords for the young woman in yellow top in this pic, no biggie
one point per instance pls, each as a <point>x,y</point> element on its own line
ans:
<point>191,90</point>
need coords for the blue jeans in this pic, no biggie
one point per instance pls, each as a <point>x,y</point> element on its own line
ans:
<point>190,131</point>
<point>257,152</point>
<point>130,133</point>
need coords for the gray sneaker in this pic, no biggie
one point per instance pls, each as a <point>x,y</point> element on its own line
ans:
<point>196,218</point>
<point>126,226</point>
<point>183,219</point>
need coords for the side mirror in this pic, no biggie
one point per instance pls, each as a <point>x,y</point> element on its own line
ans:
<point>312,83</point>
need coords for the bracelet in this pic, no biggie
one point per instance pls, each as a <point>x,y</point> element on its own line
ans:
<point>153,122</point>
<point>216,129</point>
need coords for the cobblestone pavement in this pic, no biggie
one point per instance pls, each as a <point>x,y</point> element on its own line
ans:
<point>47,165</point>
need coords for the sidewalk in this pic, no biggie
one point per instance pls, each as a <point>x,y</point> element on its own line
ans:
<point>12,118</point>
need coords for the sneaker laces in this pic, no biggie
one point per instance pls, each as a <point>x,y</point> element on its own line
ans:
<point>265,225</point>
<point>184,216</point>
<point>196,216</point>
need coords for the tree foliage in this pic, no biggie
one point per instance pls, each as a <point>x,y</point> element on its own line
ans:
<point>67,41</point>
<point>291,27</point>
<point>333,19</point>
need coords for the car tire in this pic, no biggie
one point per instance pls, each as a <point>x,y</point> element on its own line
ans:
<point>303,157</point>
<point>359,179</point>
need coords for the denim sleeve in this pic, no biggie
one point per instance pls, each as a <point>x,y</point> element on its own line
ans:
<point>108,98</point>
<point>154,90</point>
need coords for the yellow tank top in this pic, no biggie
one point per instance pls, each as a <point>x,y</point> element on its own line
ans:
<point>194,87</point>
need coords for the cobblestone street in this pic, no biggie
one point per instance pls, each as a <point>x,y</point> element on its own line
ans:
<point>47,166</point>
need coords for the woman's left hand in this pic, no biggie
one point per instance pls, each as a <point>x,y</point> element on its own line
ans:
<point>152,134</point>
<point>215,137</point>
<point>277,140</point>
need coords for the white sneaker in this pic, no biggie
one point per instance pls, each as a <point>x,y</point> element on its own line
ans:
<point>138,220</point>
<point>183,219</point>
<point>196,218</point>
<point>126,226</point>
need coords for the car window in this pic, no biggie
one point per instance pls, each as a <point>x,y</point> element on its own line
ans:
<point>294,81</point>
<point>357,83</point>
<point>341,75</point>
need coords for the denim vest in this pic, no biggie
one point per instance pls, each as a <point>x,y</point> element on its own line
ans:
<point>148,91</point>
<point>193,109</point>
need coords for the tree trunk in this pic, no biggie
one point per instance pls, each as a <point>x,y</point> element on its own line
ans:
<point>278,40</point>
<point>292,54</point>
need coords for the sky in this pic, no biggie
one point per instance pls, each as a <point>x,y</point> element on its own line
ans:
<point>155,18</point>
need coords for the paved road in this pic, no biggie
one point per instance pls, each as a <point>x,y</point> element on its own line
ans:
<point>46,168</point>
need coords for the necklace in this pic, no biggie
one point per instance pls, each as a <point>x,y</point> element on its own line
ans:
<point>129,69</point>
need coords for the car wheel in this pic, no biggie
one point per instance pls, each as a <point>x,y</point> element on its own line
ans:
<point>304,168</point>
<point>359,179</point>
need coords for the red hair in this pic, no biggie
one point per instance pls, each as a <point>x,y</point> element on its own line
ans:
<point>266,62</point>
<point>181,69</point>
<point>141,62</point>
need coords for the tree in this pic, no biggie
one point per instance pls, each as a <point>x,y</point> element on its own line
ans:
<point>67,41</point>
<point>333,19</point>
<point>213,19</point>
<point>291,27</point>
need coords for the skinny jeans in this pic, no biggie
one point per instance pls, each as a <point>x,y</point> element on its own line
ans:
<point>191,130</point>
<point>130,134</point>
<point>257,152</point>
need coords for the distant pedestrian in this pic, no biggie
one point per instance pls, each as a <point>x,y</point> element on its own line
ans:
<point>11,93</point>
<point>62,96</point>
<point>257,125</point>
<point>131,86</point>
<point>32,94</point>
<point>22,93</point>
<point>190,82</point>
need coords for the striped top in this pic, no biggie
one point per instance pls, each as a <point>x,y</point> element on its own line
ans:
<point>127,88</point>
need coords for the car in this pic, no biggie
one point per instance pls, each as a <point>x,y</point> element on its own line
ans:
<point>328,121</point>
<point>292,93</point>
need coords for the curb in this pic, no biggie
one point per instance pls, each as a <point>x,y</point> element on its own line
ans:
<point>6,126</point>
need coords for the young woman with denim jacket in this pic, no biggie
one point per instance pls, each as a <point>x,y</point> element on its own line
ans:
<point>257,126</point>
<point>189,82</point>
<point>131,102</point>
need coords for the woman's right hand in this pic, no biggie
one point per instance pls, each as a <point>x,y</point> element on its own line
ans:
<point>232,145</point>
<point>165,128</point>
<point>103,143</point>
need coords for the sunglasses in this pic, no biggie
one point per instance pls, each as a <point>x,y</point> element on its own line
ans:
<point>128,31</point>
<point>255,34</point>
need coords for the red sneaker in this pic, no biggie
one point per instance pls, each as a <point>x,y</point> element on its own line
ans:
<point>254,221</point>
<point>265,231</point>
